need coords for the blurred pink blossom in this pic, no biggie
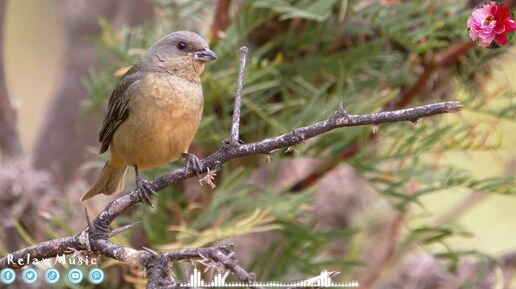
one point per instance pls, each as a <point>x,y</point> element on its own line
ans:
<point>491,22</point>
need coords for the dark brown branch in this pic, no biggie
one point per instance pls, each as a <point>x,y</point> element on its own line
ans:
<point>221,19</point>
<point>438,60</point>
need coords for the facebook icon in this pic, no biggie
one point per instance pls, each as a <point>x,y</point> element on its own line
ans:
<point>7,276</point>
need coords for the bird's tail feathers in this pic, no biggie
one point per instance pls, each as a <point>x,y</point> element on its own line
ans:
<point>109,181</point>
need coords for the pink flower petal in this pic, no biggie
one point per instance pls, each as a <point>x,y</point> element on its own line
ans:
<point>484,43</point>
<point>510,25</point>
<point>473,35</point>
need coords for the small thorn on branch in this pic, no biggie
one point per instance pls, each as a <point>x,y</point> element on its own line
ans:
<point>122,229</point>
<point>91,228</point>
<point>234,137</point>
<point>376,128</point>
<point>341,110</point>
<point>150,251</point>
<point>268,158</point>
<point>290,149</point>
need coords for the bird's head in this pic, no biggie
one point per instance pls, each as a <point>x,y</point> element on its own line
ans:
<point>181,53</point>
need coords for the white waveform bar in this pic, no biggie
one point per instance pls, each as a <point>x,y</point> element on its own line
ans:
<point>323,280</point>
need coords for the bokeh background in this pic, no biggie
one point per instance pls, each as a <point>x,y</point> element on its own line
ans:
<point>426,205</point>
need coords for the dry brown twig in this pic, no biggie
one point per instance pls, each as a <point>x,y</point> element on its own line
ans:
<point>95,237</point>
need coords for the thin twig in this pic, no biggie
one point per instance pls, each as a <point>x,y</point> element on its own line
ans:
<point>235,134</point>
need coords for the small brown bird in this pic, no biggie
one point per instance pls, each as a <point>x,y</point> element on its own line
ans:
<point>153,112</point>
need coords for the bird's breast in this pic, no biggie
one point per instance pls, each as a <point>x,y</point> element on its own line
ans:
<point>164,114</point>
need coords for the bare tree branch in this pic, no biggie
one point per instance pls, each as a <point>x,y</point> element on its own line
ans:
<point>95,237</point>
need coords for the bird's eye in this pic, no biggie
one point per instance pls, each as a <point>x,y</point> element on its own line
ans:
<point>181,45</point>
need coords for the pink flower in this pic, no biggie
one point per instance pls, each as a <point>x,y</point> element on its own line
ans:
<point>491,22</point>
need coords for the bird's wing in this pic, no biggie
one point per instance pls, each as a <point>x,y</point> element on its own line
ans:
<point>118,107</point>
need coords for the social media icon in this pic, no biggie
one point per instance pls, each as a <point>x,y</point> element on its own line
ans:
<point>52,276</point>
<point>29,276</point>
<point>75,276</point>
<point>7,276</point>
<point>96,276</point>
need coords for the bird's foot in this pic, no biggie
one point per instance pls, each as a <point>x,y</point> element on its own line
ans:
<point>145,190</point>
<point>193,163</point>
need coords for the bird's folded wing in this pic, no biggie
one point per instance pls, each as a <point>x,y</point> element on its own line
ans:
<point>118,106</point>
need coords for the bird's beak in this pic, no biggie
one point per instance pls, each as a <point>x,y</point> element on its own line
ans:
<point>205,55</point>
